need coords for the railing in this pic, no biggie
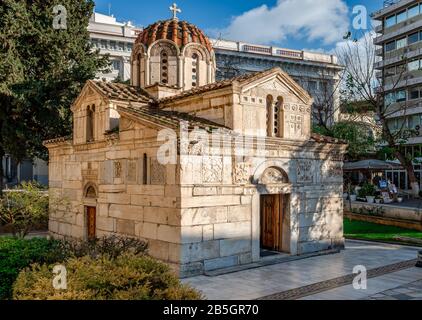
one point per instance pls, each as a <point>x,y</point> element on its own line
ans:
<point>290,54</point>
<point>249,48</point>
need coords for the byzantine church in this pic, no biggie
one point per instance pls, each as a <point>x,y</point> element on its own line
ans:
<point>212,207</point>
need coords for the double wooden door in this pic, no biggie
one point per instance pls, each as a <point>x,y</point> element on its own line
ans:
<point>273,221</point>
<point>91,214</point>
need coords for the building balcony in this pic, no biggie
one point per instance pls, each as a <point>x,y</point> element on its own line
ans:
<point>379,28</point>
<point>407,53</point>
<point>379,52</point>
<point>406,27</point>
<point>408,80</point>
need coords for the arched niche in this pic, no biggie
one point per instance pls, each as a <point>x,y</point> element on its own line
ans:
<point>90,191</point>
<point>164,63</point>
<point>198,66</point>
<point>273,175</point>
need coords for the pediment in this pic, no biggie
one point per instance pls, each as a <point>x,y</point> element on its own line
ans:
<point>278,82</point>
<point>88,94</point>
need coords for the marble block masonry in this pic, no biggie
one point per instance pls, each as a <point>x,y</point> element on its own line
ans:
<point>213,206</point>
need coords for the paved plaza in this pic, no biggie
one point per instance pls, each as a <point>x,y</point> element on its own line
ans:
<point>391,275</point>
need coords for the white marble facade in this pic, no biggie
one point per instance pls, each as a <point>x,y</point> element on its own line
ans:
<point>233,141</point>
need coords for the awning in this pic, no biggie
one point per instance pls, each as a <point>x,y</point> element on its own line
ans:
<point>370,165</point>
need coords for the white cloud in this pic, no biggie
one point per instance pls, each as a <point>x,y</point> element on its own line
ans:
<point>322,20</point>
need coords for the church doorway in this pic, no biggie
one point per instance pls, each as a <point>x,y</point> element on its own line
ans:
<point>91,216</point>
<point>275,224</point>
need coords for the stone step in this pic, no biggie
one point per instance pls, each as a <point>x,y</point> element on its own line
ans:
<point>268,262</point>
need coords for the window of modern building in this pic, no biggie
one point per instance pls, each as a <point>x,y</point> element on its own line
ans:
<point>414,37</point>
<point>413,65</point>
<point>413,11</point>
<point>116,65</point>
<point>401,68</point>
<point>401,43</point>
<point>129,47</point>
<point>390,98</point>
<point>103,44</point>
<point>401,96</point>
<point>390,46</point>
<point>414,93</point>
<point>312,85</point>
<point>390,21</point>
<point>112,45</point>
<point>121,46</point>
<point>94,43</point>
<point>401,16</point>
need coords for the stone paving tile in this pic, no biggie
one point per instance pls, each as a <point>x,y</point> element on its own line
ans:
<point>290,275</point>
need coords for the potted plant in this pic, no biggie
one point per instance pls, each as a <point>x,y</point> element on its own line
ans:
<point>378,200</point>
<point>368,191</point>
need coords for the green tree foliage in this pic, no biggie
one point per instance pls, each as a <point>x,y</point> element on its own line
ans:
<point>127,277</point>
<point>357,135</point>
<point>42,70</point>
<point>24,208</point>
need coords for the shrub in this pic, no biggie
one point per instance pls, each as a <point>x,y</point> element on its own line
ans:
<point>367,190</point>
<point>17,254</point>
<point>111,246</point>
<point>127,277</point>
<point>24,208</point>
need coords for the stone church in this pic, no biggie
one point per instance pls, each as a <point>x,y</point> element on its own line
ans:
<point>241,175</point>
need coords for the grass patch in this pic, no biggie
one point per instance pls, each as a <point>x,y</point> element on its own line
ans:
<point>376,232</point>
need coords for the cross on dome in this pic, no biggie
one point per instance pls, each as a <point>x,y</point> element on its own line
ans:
<point>175,9</point>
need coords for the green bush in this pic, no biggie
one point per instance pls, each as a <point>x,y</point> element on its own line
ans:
<point>24,208</point>
<point>127,277</point>
<point>111,246</point>
<point>17,254</point>
<point>367,190</point>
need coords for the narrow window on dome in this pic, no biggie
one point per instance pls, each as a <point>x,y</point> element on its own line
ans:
<point>164,68</point>
<point>195,67</point>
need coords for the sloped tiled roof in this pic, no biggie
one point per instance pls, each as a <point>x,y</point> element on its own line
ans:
<point>241,80</point>
<point>119,91</point>
<point>170,119</point>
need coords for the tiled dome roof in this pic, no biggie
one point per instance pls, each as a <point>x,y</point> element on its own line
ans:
<point>180,32</point>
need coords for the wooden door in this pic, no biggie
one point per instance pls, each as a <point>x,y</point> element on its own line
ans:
<point>92,222</point>
<point>272,217</point>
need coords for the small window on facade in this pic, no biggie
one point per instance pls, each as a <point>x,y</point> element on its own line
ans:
<point>401,43</point>
<point>413,38</point>
<point>413,94</point>
<point>90,123</point>
<point>413,11</point>
<point>401,96</point>
<point>401,16</point>
<point>164,67</point>
<point>390,46</point>
<point>390,21</point>
<point>413,65</point>
<point>312,85</point>
<point>145,169</point>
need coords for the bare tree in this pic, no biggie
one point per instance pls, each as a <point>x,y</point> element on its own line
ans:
<point>364,84</point>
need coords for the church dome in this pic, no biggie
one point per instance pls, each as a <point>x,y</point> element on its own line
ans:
<point>180,32</point>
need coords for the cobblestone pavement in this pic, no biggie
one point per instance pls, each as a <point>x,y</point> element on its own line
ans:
<point>410,291</point>
<point>318,278</point>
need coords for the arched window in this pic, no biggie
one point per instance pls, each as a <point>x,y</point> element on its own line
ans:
<point>278,117</point>
<point>90,120</point>
<point>139,70</point>
<point>164,67</point>
<point>195,69</point>
<point>91,193</point>
<point>270,116</point>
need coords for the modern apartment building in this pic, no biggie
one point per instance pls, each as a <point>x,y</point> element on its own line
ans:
<point>116,39</point>
<point>399,41</point>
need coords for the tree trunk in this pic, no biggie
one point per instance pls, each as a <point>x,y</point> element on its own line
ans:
<point>408,166</point>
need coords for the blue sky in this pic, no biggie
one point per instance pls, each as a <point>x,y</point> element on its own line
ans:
<point>296,24</point>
